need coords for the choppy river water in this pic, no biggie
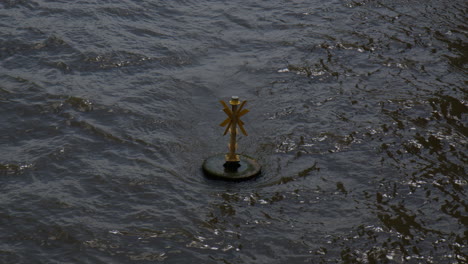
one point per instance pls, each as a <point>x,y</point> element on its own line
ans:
<point>358,116</point>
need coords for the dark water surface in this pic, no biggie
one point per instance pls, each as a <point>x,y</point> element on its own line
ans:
<point>358,115</point>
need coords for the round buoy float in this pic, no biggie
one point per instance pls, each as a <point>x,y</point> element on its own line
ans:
<point>215,167</point>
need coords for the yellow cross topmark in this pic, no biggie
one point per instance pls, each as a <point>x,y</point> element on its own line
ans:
<point>234,117</point>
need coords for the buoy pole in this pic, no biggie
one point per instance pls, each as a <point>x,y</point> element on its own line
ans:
<point>232,157</point>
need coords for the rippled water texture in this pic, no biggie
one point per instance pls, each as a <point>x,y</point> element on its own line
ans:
<point>358,116</point>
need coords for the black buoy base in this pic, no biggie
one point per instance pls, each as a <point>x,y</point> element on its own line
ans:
<point>217,167</point>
